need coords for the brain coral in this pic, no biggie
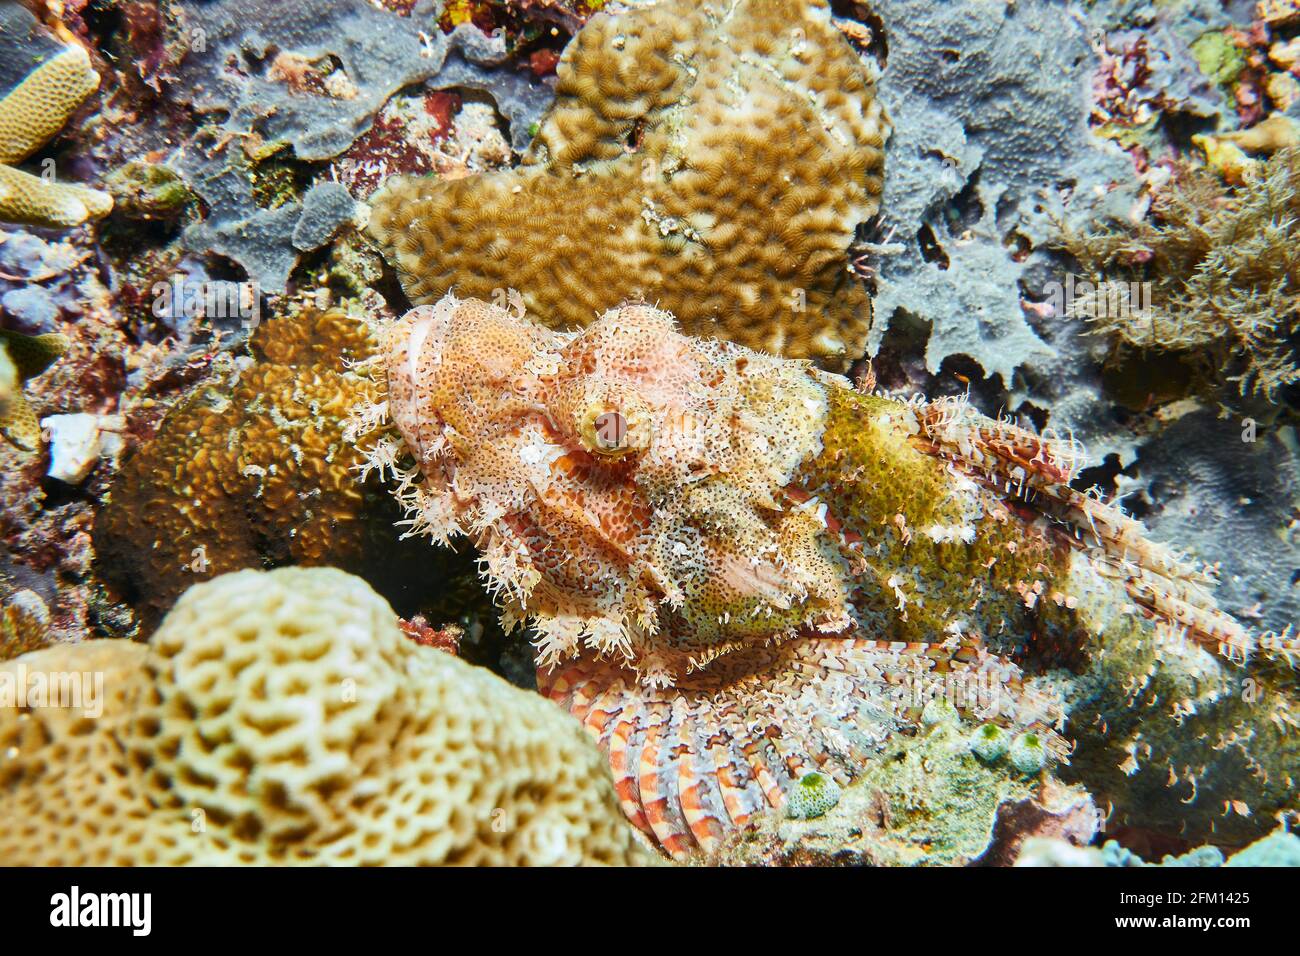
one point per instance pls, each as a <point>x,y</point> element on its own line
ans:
<point>283,718</point>
<point>254,472</point>
<point>713,158</point>
<point>30,115</point>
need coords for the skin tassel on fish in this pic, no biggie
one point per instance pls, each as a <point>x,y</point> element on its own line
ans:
<point>737,568</point>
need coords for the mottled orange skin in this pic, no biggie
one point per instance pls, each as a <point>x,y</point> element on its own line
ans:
<point>606,544</point>
<point>737,567</point>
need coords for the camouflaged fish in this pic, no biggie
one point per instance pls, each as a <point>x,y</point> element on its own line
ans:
<point>738,568</point>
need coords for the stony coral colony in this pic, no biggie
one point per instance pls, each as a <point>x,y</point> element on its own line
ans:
<point>791,617</point>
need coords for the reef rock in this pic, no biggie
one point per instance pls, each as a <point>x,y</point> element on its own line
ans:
<point>990,105</point>
<point>309,78</point>
<point>991,149</point>
<point>928,801</point>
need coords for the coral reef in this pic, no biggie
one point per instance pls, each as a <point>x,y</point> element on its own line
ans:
<point>24,624</point>
<point>1224,269</point>
<point>989,103</point>
<point>28,357</point>
<point>925,802</point>
<point>42,280</point>
<point>806,623</point>
<point>369,53</point>
<point>30,114</point>
<point>9,384</point>
<point>251,469</point>
<point>1277,849</point>
<point>148,191</point>
<point>426,133</point>
<point>712,158</point>
<point>704,537</point>
<point>268,242</point>
<point>55,296</point>
<point>1206,480</point>
<point>312,80</point>
<point>1152,74</point>
<point>1273,134</point>
<point>1171,737</point>
<point>282,717</point>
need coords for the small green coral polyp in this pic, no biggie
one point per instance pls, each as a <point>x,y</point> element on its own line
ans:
<point>1028,754</point>
<point>990,743</point>
<point>813,796</point>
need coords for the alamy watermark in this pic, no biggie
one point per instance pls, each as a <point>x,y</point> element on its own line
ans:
<point>215,300</point>
<point>27,687</point>
<point>132,911</point>
<point>1105,299</point>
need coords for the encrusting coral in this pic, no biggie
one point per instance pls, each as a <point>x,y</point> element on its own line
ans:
<point>739,569</point>
<point>24,624</point>
<point>1224,268</point>
<point>29,116</point>
<point>28,356</point>
<point>282,717</point>
<point>927,801</point>
<point>252,469</point>
<point>712,158</point>
<point>1280,848</point>
<point>9,383</point>
<point>330,67</point>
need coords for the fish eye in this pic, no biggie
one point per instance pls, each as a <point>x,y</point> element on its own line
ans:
<point>615,428</point>
<point>611,431</point>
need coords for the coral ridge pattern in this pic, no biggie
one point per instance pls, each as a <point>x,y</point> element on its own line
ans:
<point>283,718</point>
<point>713,158</point>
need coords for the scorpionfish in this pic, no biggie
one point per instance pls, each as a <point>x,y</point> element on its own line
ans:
<point>738,568</point>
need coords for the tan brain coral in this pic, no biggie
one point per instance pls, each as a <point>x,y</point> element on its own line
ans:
<point>712,158</point>
<point>248,472</point>
<point>282,717</point>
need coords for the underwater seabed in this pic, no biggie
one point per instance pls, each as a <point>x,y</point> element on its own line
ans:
<point>653,433</point>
